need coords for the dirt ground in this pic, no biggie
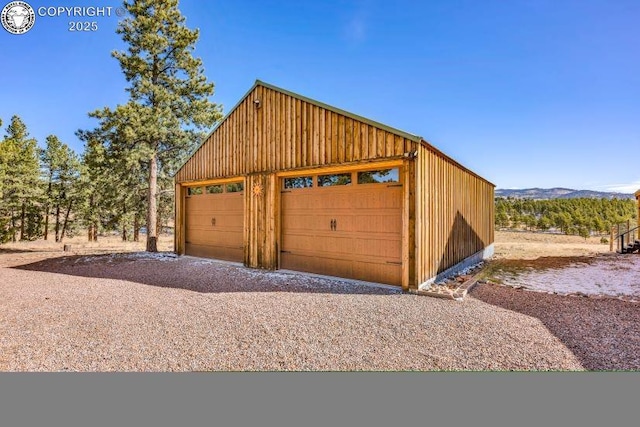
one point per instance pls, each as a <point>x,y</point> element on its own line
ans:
<point>106,306</point>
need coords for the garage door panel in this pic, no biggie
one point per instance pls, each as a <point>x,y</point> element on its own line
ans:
<point>221,238</point>
<point>376,272</point>
<point>366,242</point>
<point>315,264</point>
<point>217,252</point>
<point>214,226</point>
<point>222,220</point>
<point>384,249</point>
<point>307,221</point>
<point>321,243</point>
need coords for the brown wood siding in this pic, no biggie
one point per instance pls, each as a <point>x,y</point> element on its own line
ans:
<point>454,215</point>
<point>261,221</point>
<point>178,236</point>
<point>286,133</point>
<point>447,210</point>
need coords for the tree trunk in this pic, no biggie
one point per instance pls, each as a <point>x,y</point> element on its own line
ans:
<point>66,220</point>
<point>124,221</point>
<point>46,214</point>
<point>95,231</point>
<point>13,225</point>
<point>22,215</point>
<point>46,222</point>
<point>136,228</point>
<point>57,228</point>
<point>90,233</point>
<point>152,210</point>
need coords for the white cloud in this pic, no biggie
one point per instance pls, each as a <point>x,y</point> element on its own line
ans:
<point>622,188</point>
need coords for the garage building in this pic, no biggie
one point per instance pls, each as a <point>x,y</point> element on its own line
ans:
<point>284,181</point>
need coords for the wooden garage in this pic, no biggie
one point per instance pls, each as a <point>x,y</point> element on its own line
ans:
<point>637,194</point>
<point>284,181</point>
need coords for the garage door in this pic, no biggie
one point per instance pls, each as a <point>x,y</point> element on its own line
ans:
<point>346,225</point>
<point>214,221</point>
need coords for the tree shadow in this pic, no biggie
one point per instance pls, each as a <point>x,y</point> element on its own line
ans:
<point>601,332</point>
<point>197,274</point>
<point>18,251</point>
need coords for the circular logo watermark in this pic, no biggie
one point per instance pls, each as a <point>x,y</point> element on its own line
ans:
<point>18,17</point>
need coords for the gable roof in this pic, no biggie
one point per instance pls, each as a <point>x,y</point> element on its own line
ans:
<point>336,110</point>
<point>398,132</point>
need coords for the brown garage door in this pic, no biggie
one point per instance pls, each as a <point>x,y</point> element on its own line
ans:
<point>346,225</point>
<point>214,221</point>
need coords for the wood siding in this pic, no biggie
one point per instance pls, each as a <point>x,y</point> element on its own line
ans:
<point>454,214</point>
<point>261,224</point>
<point>179,234</point>
<point>447,212</point>
<point>637,194</point>
<point>287,133</point>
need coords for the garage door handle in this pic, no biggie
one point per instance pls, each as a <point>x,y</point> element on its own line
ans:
<point>213,221</point>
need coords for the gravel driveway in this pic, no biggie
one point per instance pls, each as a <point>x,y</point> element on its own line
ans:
<point>134,312</point>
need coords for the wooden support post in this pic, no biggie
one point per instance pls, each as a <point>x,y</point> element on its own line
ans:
<point>611,240</point>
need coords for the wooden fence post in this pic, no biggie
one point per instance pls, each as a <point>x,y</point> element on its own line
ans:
<point>611,240</point>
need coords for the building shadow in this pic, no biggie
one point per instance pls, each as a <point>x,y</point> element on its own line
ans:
<point>198,274</point>
<point>463,241</point>
<point>603,333</point>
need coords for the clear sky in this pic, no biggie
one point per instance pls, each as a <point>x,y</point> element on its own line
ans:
<point>525,93</point>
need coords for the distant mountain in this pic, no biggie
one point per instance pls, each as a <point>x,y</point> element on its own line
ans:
<point>559,193</point>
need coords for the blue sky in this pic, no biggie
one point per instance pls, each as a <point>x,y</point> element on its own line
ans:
<point>525,93</point>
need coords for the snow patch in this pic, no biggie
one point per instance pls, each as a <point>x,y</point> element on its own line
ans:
<point>610,276</point>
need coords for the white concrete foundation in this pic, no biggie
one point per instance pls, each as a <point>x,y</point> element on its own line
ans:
<point>479,256</point>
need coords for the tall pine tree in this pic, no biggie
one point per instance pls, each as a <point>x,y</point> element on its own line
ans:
<point>21,191</point>
<point>168,94</point>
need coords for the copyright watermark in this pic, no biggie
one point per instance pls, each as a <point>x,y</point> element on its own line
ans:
<point>18,17</point>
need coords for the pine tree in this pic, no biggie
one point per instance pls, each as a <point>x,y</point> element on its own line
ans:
<point>21,189</point>
<point>51,159</point>
<point>168,93</point>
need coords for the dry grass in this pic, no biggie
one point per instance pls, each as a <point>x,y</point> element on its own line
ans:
<point>527,245</point>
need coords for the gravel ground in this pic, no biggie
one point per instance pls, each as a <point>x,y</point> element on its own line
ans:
<point>132,312</point>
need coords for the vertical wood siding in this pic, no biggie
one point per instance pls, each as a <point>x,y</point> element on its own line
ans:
<point>287,133</point>
<point>448,211</point>
<point>178,235</point>
<point>261,223</point>
<point>454,214</point>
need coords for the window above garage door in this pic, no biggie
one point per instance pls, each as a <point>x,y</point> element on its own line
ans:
<point>359,177</point>
<point>215,188</point>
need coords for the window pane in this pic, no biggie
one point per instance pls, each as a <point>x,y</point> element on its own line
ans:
<point>214,189</point>
<point>235,187</point>
<point>337,179</point>
<point>382,175</point>
<point>298,182</point>
<point>194,191</point>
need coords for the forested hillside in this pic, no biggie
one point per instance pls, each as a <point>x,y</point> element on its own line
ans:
<point>580,216</point>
